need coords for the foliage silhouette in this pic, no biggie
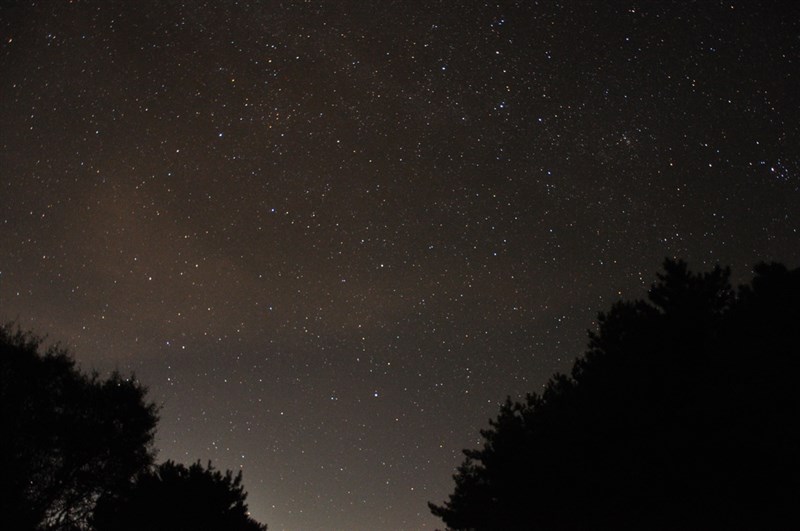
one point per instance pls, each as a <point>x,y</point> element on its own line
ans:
<point>76,454</point>
<point>172,497</point>
<point>66,437</point>
<point>681,415</point>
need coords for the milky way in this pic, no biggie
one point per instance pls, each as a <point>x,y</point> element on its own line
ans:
<point>332,236</point>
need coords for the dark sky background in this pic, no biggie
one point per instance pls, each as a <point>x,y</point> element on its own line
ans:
<point>332,236</point>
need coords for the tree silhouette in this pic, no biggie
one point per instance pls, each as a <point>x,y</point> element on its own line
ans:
<point>683,414</point>
<point>66,437</point>
<point>172,497</point>
<point>76,454</point>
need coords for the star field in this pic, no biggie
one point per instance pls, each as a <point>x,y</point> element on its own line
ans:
<point>331,237</point>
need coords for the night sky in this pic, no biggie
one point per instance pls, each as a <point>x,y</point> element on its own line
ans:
<point>332,236</point>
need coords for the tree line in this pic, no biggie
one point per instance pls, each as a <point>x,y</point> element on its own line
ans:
<point>76,453</point>
<point>683,414</point>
